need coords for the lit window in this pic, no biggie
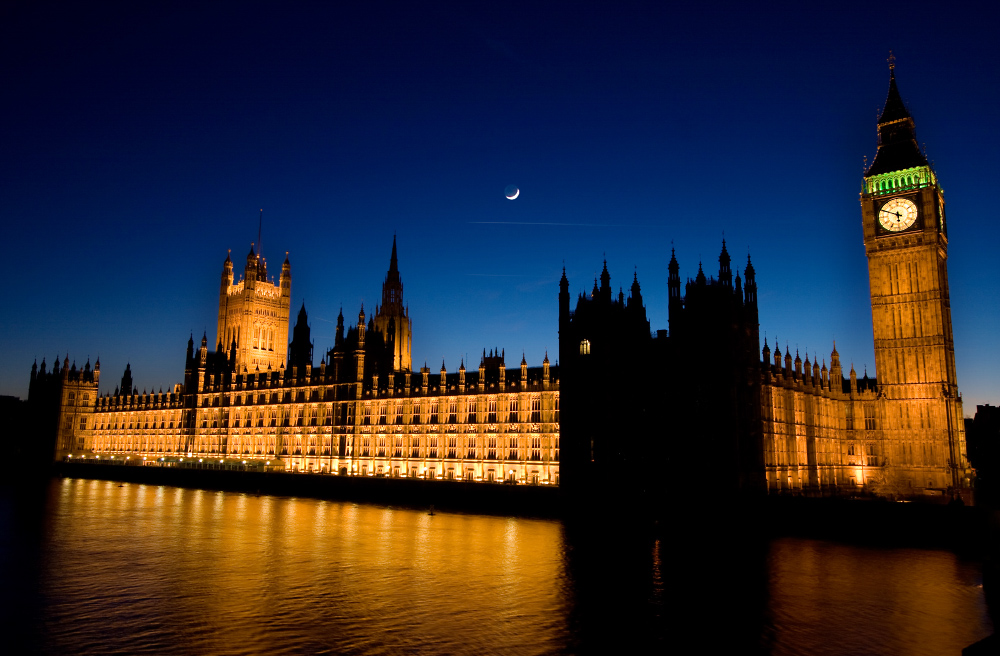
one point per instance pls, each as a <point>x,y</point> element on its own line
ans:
<point>585,347</point>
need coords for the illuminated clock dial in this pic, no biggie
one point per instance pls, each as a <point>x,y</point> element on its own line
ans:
<point>898,214</point>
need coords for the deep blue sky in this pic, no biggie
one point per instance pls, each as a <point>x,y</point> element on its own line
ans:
<point>140,142</point>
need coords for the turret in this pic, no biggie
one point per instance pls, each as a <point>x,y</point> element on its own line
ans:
<point>391,317</point>
<point>545,368</point>
<point>674,287</point>
<point>360,353</point>
<point>750,285</point>
<point>227,273</point>
<point>765,353</point>
<point>251,269</point>
<point>635,297</point>
<point>300,352</point>
<point>203,351</point>
<point>444,378</point>
<point>725,272</point>
<point>798,363</point>
<point>854,380</point>
<point>836,372</point>
<point>125,389</point>
<point>524,371</point>
<point>788,362</point>
<point>286,277</point>
<point>563,300</point>
<point>606,283</point>
<point>461,376</point>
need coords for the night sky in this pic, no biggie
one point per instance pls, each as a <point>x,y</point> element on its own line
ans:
<point>140,142</point>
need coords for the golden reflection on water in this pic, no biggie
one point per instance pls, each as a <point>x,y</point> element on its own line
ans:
<point>146,569</point>
<point>216,572</point>
<point>885,601</point>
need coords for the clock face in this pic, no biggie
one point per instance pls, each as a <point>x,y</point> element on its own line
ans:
<point>898,214</point>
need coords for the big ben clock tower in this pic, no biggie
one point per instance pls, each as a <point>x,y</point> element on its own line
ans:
<point>906,241</point>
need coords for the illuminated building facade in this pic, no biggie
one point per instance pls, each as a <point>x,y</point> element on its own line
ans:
<point>253,314</point>
<point>700,399</point>
<point>361,412</point>
<point>645,412</point>
<point>63,401</point>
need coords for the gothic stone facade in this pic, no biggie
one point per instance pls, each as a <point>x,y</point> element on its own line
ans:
<point>358,413</point>
<point>762,424</point>
<point>738,418</point>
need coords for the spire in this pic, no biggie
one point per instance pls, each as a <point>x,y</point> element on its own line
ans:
<point>674,290</point>
<point>897,140</point>
<point>606,280</point>
<point>750,287</point>
<point>392,288</point>
<point>260,227</point>
<point>636,293</point>
<point>894,108</point>
<point>700,278</point>
<point>725,272</point>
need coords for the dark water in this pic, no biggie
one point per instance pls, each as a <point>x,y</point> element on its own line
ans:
<point>95,567</point>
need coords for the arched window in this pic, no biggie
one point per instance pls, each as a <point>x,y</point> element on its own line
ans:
<point>585,347</point>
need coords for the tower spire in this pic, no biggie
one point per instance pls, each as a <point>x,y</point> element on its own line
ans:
<point>260,227</point>
<point>897,140</point>
<point>393,266</point>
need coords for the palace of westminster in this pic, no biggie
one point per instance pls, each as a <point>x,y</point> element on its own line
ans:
<point>762,420</point>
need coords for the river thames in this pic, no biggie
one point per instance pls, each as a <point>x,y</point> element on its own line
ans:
<point>102,567</point>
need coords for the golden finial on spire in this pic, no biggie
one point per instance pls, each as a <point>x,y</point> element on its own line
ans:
<point>891,60</point>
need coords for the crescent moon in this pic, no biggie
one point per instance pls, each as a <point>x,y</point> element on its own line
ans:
<point>516,194</point>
